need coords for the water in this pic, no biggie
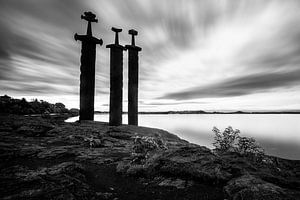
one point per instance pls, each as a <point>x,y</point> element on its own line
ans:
<point>278,134</point>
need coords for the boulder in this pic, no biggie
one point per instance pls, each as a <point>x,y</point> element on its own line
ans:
<point>248,187</point>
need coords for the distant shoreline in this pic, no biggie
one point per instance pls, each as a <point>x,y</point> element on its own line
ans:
<point>204,112</point>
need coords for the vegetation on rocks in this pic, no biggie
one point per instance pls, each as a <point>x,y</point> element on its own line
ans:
<point>144,145</point>
<point>231,141</point>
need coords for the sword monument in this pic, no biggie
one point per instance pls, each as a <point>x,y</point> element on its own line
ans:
<point>133,78</point>
<point>87,68</point>
<point>116,80</point>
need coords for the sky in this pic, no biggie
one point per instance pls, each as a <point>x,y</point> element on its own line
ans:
<point>197,54</point>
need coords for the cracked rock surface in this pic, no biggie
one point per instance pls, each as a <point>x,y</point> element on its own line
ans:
<point>50,159</point>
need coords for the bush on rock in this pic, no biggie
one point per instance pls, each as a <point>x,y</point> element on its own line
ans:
<point>230,141</point>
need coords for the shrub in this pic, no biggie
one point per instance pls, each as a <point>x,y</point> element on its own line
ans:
<point>225,141</point>
<point>231,141</point>
<point>143,145</point>
<point>249,146</point>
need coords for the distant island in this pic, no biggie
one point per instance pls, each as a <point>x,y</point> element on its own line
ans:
<point>206,112</point>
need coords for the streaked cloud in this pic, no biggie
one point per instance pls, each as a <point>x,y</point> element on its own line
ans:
<point>255,83</point>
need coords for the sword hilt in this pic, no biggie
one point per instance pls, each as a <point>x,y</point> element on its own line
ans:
<point>89,16</point>
<point>133,33</point>
<point>117,31</point>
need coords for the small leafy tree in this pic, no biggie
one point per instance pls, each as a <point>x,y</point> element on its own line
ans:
<point>225,141</point>
<point>144,145</point>
<point>249,146</point>
<point>231,141</point>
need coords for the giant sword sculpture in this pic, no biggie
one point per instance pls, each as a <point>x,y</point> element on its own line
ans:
<point>87,68</point>
<point>116,80</point>
<point>133,78</point>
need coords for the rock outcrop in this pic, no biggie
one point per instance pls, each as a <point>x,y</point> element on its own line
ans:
<point>45,158</point>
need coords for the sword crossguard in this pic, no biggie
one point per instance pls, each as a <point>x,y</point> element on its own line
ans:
<point>116,30</point>
<point>90,17</point>
<point>76,37</point>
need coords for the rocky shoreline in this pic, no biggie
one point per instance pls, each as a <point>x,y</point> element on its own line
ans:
<point>46,158</point>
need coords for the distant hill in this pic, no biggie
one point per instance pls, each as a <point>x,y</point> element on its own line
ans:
<point>205,112</point>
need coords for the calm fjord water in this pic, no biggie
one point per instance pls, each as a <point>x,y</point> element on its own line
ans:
<point>278,134</point>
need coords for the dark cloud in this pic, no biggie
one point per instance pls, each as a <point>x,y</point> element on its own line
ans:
<point>240,86</point>
<point>4,53</point>
<point>60,13</point>
<point>37,88</point>
<point>35,39</point>
<point>28,48</point>
<point>5,69</point>
<point>5,65</point>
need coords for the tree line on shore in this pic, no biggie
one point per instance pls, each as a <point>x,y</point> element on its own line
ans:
<point>10,105</point>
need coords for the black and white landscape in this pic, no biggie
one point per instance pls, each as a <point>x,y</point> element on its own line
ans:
<point>143,99</point>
